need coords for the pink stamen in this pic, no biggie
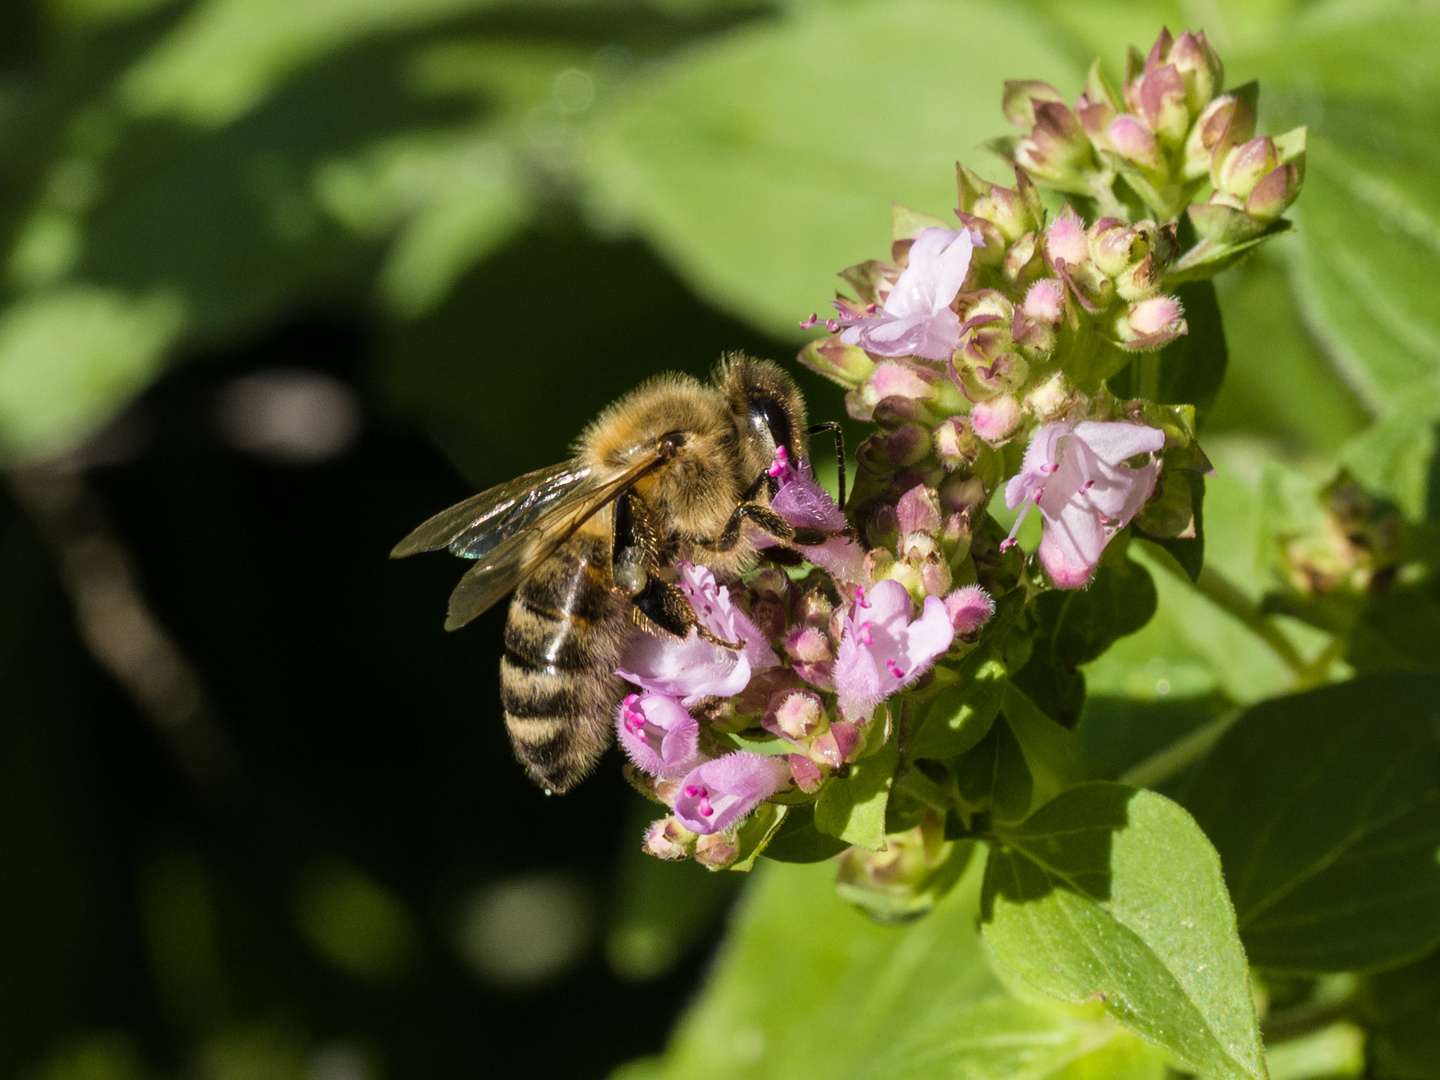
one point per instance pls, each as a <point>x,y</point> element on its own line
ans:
<point>781,464</point>
<point>860,600</point>
<point>895,669</point>
<point>869,309</point>
<point>1087,485</point>
<point>811,321</point>
<point>866,637</point>
<point>634,718</point>
<point>831,325</point>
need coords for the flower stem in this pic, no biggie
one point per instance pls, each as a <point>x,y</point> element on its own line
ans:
<point>1226,595</point>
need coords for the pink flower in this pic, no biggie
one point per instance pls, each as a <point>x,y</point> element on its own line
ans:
<point>693,668</point>
<point>1086,494</point>
<point>719,793</point>
<point>916,319</point>
<point>969,608</point>
<point>803,502</point>
<point>658,735</point>
<point>882,649</point>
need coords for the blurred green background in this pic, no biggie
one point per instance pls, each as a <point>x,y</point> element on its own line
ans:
<point>280,278</point>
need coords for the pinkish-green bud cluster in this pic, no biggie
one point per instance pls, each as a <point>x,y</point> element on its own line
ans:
<point>1163,140</point>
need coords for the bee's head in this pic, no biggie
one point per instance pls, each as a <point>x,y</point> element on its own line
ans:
<point>767,408</point>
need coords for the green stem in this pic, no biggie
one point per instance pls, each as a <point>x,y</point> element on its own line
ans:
<point>1226,595</point>
<point>1304,1019</point>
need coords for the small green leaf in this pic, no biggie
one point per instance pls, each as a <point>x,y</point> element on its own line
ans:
<point>992,778</point>
<point>853,807</point>
<point>1114,895</point>
<point>799,841</point>
<point>1187,551</point>
<point>1401,1008</point>
<point>960,716</point>
<point>1325,807</point>
<point>1052,753</point>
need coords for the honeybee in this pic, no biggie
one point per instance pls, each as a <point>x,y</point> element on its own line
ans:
<point>674,470</point>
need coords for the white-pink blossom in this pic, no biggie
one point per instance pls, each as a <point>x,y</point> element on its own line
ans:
<point>883,649</point>
<point>1076,474</point>
<point>917,319</point>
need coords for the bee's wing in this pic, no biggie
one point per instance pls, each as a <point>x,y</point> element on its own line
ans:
<point>483,522</point>
<point>513,539</point>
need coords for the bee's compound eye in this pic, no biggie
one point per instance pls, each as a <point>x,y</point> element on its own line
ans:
<point>768,417</point>
<point>670,443</point>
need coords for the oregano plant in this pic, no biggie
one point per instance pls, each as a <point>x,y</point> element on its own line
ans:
<point>908,714</point>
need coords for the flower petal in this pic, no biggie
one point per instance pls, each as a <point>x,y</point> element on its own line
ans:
<point>718,793</point>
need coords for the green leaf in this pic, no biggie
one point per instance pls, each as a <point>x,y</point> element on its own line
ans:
<point>806,129</point>
<point>1075,626</point>
<point>853,807</point>
<point>799,841</point>
<point>1187,551</point>
<point>993,778</point>
<point>1114,895</point>
<point>806,987</point>
<point>960,716</point>
<point>1052,752</point>
<point>71,357</point>
<point>1325,807</point>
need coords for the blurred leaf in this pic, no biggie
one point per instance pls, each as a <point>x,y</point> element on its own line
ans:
<point>1112,894</point>
<point>808,988</point>
<point>1278,380</point>
<point>356,924</point>
<point>1119,732</point>
<point>1192,367</point>
<point>1402,1010</point>
<point>225,56</point>
<point>805,129</point>
<point>71,357</point>
<point>853,807</point>
<point>1325,807</point>
<point>99,1057</point>
<point>1333,1052</point>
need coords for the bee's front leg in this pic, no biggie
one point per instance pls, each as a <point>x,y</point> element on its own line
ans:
<point>771,523</point>
<point>661,605</point>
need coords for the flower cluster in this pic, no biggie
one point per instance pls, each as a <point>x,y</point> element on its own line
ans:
<point>1013,349</point>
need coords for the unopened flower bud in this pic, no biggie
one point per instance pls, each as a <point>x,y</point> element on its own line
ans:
<point>961,494</point>
<point>1147,325</point>
<point>955,444</point>
<point>1274,193</point>
<point>1020,97</point>
<point>1065,239</point>
<point>807,774</point>
<point>1245,165</point>
<point>1134,141</point>
<point>893,379</point>
<point>918,512</point>
<point>1226,122</point>
<point>794,715</point>
<point>906,445</point>
<point>969,608</point>
<point>1161,102</point>
<point>848,365</point>
<point>1056,151</point>
<point>1009,211</point>
<point>837,745</point>
<point>1199,65</point>
<point>1045,301</point>
<point>668,839</point>
<point>1050,398</point>
<point>716,851</point>
<point>995,419</point>
<point>809,645</point>
<point>813,607</point>
<point>771,582</point>
<point>770,616</point>
<point>935,575</point>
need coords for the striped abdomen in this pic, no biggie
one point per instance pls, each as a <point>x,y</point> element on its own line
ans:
<point>557,679</point>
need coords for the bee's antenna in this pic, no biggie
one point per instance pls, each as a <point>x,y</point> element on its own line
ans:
<point>834,428</point>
